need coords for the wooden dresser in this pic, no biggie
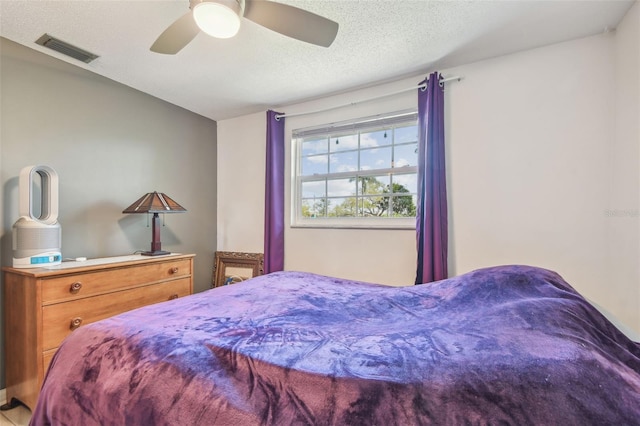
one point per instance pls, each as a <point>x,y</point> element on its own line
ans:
<point>43,305</point>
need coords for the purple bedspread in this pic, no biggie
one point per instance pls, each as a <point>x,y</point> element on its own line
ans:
<point>505,345</point>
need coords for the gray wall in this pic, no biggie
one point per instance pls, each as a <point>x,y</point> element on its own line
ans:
<point>109,144</point>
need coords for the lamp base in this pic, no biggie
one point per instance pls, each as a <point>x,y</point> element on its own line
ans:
<point>155,253</point>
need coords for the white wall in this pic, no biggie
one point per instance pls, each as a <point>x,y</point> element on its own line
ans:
<point>531,140</point>
<point>240,180</point>
<point>530,137</point>
<point>624,203</point>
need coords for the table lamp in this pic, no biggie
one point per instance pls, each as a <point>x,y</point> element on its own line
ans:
<point>155,202</point>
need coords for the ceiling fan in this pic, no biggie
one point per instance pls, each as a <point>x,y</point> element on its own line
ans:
<point>221,19</point>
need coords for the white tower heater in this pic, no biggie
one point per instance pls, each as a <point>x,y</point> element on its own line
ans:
<point>37,240</point>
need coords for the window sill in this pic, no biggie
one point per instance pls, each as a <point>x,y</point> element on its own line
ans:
<point>407,224</point>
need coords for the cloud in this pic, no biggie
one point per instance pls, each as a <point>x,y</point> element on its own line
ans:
<point>402,162</point>
<point>314,147</point>
<point>409,181</point>
<point>341,187</point>
<point>317,159</point>
<point>345,168</point>
<point>367,141</point>
<point>344,142</point>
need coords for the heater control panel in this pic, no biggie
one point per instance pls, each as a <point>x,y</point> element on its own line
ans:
<point>38,260</point>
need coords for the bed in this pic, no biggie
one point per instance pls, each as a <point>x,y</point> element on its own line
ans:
<point>501,345</point>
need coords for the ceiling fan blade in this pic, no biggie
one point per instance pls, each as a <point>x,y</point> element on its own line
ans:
<point>292,22</point>
<point>176,36</point>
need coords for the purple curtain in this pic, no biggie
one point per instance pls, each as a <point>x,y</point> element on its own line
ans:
<point>431,221</point>
<point>274,195</point>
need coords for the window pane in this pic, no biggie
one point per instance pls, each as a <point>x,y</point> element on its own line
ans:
<point>313,165</point>
<point>375,158</point>
<point>406,183</point>
<point>343,162</point>
<point>406,134</point>
<point>404,206</point>
<point>405,155</point>
<point>368,185</point>
<point>342,207</point>
<point>343,142</point>
<point>341,187</point>
<point>313,189</point>
<point>374,206</point>
<point>314,207</point>
<point>314,146</point>
<point>357,171</point>
<point>376,138</point>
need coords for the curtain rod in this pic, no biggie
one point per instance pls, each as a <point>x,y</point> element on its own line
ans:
<point>419,86</point>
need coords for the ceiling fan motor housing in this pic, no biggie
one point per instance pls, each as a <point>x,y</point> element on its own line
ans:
<point>235,5</point>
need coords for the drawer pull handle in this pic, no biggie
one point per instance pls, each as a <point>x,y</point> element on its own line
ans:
<point>173,296</point>
<point>174,270</point>
<point>75,287</point>
<point>75,323</point>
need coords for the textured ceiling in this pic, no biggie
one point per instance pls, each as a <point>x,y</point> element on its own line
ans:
<point>377,41</point>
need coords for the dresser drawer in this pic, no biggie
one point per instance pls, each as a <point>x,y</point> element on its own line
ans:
<point>47,356</point>
<point>70,287</point>
<point>62,318</point>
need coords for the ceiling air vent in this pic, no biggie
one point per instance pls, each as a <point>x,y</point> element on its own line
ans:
<point>65,48</point>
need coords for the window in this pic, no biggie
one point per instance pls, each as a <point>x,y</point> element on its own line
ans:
<point>357,174</point>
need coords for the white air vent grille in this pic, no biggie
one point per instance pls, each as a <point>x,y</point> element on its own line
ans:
<point>65,48</point>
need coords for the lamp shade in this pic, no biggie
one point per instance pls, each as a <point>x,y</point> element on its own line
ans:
<point>155,202</point>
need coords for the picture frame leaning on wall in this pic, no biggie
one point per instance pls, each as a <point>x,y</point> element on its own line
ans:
<point>232,267</point>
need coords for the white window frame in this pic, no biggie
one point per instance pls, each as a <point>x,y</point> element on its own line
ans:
<point>364,124</point>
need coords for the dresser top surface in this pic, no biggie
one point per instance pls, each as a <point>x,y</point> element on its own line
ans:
<point>95,264</point>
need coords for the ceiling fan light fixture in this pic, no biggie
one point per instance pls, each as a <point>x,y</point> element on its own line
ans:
<point>218,18</point>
